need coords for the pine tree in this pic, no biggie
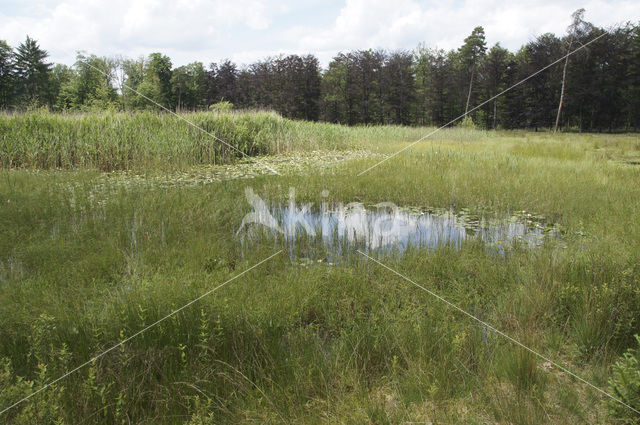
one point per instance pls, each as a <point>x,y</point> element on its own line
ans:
<point>471,53</point>
<point>32,72</point>
<point>495,68</point>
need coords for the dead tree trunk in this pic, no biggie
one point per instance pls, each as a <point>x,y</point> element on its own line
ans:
<point>564,79</point>
<point>466,109</point>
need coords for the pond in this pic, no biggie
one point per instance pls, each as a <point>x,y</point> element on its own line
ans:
<point>386,228</point>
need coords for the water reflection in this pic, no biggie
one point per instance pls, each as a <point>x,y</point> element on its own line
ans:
<point>384,228</point>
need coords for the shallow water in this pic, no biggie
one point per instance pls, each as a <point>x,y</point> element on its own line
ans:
<point>385,228</point>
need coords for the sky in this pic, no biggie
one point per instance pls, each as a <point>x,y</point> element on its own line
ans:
<point>249,30</point>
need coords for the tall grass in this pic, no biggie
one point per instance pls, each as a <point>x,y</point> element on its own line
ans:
<point>118,141</point>
<point>146,140</point>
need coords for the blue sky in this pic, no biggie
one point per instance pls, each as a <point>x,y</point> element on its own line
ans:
<point>247,30</point>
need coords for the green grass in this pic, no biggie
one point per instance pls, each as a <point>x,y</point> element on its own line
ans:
<point>292,343</point>
<point>146,141</point>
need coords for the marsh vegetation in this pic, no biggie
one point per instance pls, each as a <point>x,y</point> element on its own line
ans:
<point>102,235</point>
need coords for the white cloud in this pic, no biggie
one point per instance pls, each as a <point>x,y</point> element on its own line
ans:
<point>135,27</point>
<point>403,23</point>
<point>247,30</point>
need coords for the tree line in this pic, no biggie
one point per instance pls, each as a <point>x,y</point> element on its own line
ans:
<point>595,89</point>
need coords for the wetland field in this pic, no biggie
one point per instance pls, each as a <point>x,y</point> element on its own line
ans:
<point>109,222</point>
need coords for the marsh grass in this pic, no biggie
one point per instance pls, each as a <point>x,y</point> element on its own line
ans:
<point>313,342</point>
<point>120,141</point>
<point>145,140</point>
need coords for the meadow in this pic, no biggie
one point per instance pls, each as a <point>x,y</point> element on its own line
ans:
<point>107,227</point>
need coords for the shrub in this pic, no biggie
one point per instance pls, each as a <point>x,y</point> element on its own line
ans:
<point>222,106</point>
<point>467,122</point>
<point>625,385</point>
